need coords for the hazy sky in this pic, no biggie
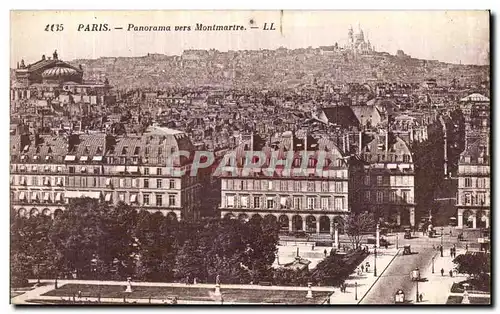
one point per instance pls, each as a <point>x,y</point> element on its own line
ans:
<point>450,36</point>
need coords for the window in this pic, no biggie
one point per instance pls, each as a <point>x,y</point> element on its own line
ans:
<point>379,180</point>
<point>34,180</point>
<point>406,158</point>
<point>367,196</point>
<point>146,171</point>
<point>171,184</point>
<point>338,187</point>
<point>392,196</point>
<point>468,182</point>
<point>324,203</point>
<point>270,203</point>
<point>283,185</point>
<point>386,180</point>
<point>256,185</point>
<point>380,197</point>
<point>171,200</point>
<point>481,199</point>
<point>122,182</point>
<point>146,183</point>
<point>159,200</point>
<point>468,199</point>
<point>339,203</point>
<point>324,186</point>
<point>244,201</point>
<point>230,201</point>
<point>406,196</point>
<point>256,201</point>
<point>71,169</point>
<point>158,183</point>
<point>134,183</point>
<point>310,186</point>
<point>121,197</point>
<point>297,202</point>
<point>283,202</point>
<point>97,170</point>
<point>145,199</point>
<point>270,185</point>
<point>311,202</point>
<point>297,186</point>
<point>230,184</point>
<point>158,171</point>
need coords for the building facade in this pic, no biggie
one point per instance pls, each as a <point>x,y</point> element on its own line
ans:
<point>48,171</point>
<point>387,185</point>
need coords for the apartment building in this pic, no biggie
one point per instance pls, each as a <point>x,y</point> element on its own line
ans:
<point>298,195</point>
<point>48,171</point>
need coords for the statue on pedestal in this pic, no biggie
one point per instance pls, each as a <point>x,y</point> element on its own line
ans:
<point>129,285</point>
<point>309,291</point>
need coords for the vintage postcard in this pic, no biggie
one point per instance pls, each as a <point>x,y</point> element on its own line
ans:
<point>250,157</point>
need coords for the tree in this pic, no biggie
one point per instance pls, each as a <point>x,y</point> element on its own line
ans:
<point>357,225</point>
<point>475,264</point>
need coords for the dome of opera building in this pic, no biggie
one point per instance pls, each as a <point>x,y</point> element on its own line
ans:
<point>61,74</point>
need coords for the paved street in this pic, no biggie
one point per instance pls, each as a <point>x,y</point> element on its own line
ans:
<point>397,276</point>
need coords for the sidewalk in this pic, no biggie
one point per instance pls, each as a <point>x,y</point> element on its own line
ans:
<point>437,289</point>
<point>366,280</point>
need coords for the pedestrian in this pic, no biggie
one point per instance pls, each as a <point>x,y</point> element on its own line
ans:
<point>442,272</point>
<point>421,297</point>
<point>324,252</point>
<point>79,293</point>
<point>451,234</point>
<point>386,245</point>
<point>362,268</point>
<point>451,273</point>
<point>451,252</point>
<point>433,247</point>
<point>466,246</point>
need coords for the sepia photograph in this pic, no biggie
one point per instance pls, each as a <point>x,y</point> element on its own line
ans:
<point>280,157</point>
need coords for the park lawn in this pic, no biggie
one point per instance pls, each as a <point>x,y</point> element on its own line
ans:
<point>191,293</point>
<point>14,294</point>
<point>455,299</point>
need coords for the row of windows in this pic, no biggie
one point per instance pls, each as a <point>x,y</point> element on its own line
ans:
<point>389,196</point>
<point>78,169</point>
<point>478,199</point>
<point>284,185</point>
<point>59,197</point>
<point>474,182</point>
<point>381,180</point>
<point>389,158</point>
<point>78,181</point>
<point>285,202</point>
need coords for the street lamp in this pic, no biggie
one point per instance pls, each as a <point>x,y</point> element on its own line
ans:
<point>397,241</point>
<point>375,264</point>
<point>415,276</point>
<point>442,230</point>
<point>356,290</point>
<point>433,264</point>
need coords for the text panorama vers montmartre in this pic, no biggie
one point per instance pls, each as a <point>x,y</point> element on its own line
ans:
<point>197,27</point>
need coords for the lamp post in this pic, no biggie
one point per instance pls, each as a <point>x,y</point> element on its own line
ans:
<point>375,264</point>
<point>356,290</point>
<point>415,276</point>
<point>442,230</point>
<point>397,241</point>
<point>433,264</point>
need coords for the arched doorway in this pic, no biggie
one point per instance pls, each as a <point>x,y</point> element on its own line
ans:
<point>34,212</point>
<point>481,218</point>
<point>57,212</point>
<point>467,219</point>
<point>256,218</point>
<point>270,219</point>
<point>324,224</point>
<point>284,223</point>
<point>243,217</point>
<point>171,216</point>
<point>311,224</point>
<point>21,212</point>
<point>229,216</point>
<point>297,223</point>
<point>46,212</point>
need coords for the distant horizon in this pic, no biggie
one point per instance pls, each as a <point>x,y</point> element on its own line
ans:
<point>454,37</point>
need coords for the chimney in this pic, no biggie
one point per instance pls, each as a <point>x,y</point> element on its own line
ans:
<point>25,140</point>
